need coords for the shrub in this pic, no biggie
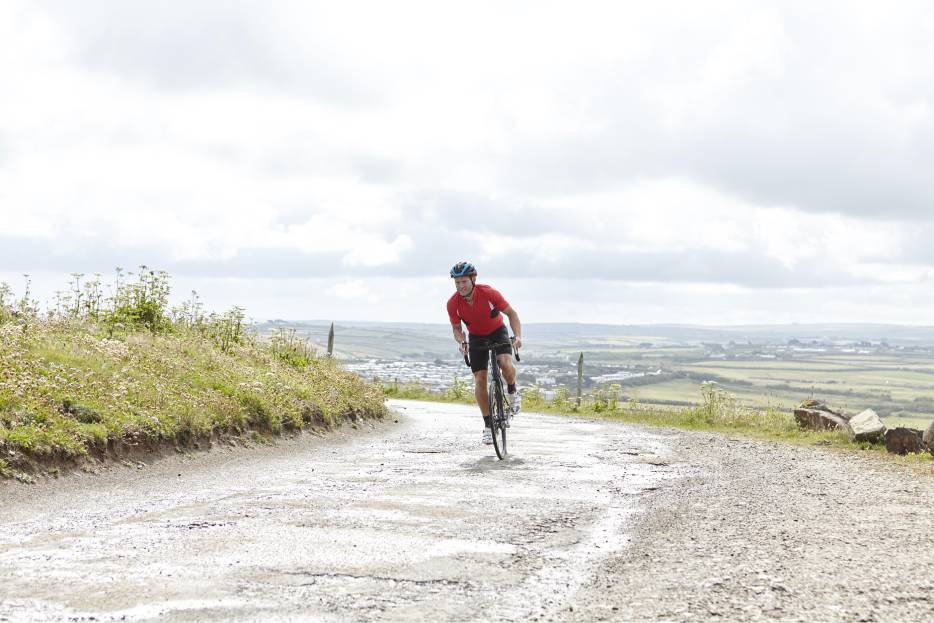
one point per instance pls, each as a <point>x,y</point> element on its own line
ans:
<point>139,304</point>
<point>533,398</point>
<point>459,391</point>
<point>560,400</point>
<point>296,352</point>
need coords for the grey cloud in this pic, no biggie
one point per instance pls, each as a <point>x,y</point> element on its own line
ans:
<point>449,226</point>
<point>199,46</point>
<point>745,269</point>
<point>299,157</point>
<point>433,256</point>
<point>465,212</point>
<point>70,254</point>
<point>807,134</point>
<point>917,246</point>
<point>433,253</point>
<point>445,227</point>
<point>812,168</point>
<point>265,263</point>
<point>824,169</point>
<point>376,169</point>
<point>814,133</point>
<point>91,255</point>
<point>811,137</point>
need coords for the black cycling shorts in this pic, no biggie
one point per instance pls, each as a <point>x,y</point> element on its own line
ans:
<point>479,357</point>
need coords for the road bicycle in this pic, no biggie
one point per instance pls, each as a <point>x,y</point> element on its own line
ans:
<point>500,413</point>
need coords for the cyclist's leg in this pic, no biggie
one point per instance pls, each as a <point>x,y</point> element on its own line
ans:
<point>508,368</point>
<point>481,393</point>
<point>509,374</point>
<point>483,401</point>
<point>479,363</point>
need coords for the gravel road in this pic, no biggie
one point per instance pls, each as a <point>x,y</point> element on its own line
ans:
<point>415,520</point>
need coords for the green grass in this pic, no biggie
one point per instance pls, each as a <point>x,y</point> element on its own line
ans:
<point>460,392</point>
<point>718,410</point>
<point>900,389</point>
<point>682,391</point>
<point>67,390</point>
<point>899,386</point>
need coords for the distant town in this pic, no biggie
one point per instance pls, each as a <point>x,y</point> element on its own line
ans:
<point>887,367</point>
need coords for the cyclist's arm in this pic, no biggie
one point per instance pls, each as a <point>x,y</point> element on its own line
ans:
<point>459,336</point>
<point>514,324</point>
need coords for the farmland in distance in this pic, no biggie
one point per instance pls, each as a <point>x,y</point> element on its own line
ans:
<point>852,367</point>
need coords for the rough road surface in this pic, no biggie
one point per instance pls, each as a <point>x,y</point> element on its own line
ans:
<point>589,520</point>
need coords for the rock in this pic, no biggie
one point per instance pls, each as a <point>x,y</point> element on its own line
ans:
<point>818,405</point>
<point>928,438</point>
<point>903,440</point>
<point>867,426</point>
<point>814,419</point>
<point>816,415</point>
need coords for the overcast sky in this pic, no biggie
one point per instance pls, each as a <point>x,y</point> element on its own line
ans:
<point>690,162</point>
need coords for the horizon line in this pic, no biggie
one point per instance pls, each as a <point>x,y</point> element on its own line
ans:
<point>620,325</point>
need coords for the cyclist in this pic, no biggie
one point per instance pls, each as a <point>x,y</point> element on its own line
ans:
<point>480,307</point>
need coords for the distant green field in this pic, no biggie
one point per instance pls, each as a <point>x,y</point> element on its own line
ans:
<point>681,391</point>
<point>762,371</point>
<point>896,390</point>
<point>898,386</point>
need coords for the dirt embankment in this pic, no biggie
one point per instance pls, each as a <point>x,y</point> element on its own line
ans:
<point>71,395</point>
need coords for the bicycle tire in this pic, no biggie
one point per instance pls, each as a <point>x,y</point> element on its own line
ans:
<point>497,413</point>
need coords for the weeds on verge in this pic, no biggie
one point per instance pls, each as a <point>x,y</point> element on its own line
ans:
<point>718,410</point>
<point>295,351</point>
<point>96,369</point>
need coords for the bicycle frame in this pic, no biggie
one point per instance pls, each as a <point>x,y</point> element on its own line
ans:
<point>499,418</point>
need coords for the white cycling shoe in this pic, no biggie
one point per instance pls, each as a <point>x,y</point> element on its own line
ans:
<point>515,402</point>
<point>487,437</point>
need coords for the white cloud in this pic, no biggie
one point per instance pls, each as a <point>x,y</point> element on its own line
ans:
<point>355,290</point>
<point>669,146</point>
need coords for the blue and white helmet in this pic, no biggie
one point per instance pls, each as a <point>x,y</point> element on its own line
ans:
<point>463,269</point>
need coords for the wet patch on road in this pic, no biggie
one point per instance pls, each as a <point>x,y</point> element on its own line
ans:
<point>422,522</point>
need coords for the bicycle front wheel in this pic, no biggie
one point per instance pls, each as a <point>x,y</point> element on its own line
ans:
<point>498,418</point>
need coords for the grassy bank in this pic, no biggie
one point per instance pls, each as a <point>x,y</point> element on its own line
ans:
<point>718,411</point>
<point>79,386</point>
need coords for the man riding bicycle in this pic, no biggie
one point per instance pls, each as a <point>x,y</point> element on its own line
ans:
<point>480,307</point>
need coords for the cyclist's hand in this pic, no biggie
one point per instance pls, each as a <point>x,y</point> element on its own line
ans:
<point>463,348</point>
<point>517,342</point>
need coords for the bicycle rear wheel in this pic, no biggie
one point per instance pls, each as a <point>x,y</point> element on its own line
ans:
<point>498,417</point>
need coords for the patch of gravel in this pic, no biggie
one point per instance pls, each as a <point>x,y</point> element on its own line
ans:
<point>767,531</point>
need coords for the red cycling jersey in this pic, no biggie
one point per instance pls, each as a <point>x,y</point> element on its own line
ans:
<point>477,315</point>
